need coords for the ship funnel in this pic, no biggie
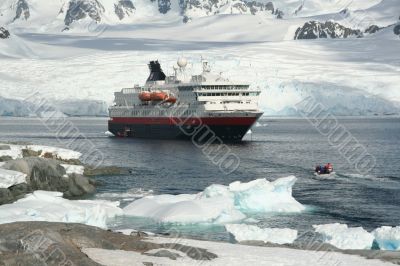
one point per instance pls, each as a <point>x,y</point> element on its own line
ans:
<point>156,72</point>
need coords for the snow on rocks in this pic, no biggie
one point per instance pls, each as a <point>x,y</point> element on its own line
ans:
<point>51,207</point>
<point>16,151</point>
<point>219,203</point>
<point>230,254</point>
<point>344,237</point>
<point>73,169</point>
<point>244,232</point>
<point>10,178</point>
<point>387,237</point>
<point>63,154</point>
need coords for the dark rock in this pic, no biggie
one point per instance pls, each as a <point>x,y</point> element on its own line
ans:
<point>79,186</point>
<point>139,234</point>
<point>105,170</point>
<point>4,34</point>
<point>80,9</point>
<point>30,153</point>
<point>23,242</point>
<point>5,196</point>
<point>5,158</point>
<point>372,29</point>
<point>4,147</point>
<point>315,30</point>
<point>19,190</point>
<point>396,29</point>
<point>279,14</point>
<point>22,10</point>
<point>164,6</point>
<point>48,174</point>
<point>165,254</point>
<point>192,252</point>
<point>124,8</point>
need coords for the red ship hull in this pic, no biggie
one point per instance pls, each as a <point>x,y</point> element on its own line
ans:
<point>225,128</point>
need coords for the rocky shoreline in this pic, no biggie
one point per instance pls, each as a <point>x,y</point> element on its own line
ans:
<point>48,171</point>
<point>44,243</point>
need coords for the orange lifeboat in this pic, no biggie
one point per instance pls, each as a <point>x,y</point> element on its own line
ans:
<point>145,96</point>
<point>171,99</point>
<point>158,96</point>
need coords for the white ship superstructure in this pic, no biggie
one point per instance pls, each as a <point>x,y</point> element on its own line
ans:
<point>164,106</point>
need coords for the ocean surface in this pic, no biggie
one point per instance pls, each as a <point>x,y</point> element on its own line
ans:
<point>276,148</point>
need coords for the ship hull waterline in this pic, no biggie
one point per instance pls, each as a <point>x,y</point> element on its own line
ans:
<point>226,129</point>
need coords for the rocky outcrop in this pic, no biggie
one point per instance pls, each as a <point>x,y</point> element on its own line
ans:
<point>4,34</point>
<point>164,6</point>
<point>372,29</point>
<point>396,29</point>
<point>213,7</point>
<point>328,29</point>
<point>124,8</point>
<point>43,243</point>
<point>80,9</point>
<point>22,10</point>
<point>45,174</point>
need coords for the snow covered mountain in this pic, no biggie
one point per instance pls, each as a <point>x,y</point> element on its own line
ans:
<point>57,14</point>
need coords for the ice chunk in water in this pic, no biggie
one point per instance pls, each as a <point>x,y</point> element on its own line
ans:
<point>343,237</point>
<point>387,237</point>
<point>243,232</point>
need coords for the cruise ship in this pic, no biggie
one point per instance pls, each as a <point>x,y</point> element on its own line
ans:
<point>181,106</point>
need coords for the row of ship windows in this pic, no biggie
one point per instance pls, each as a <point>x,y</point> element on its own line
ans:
<point>210,87</point>
<point>151,113</point>
<point>227,94</point>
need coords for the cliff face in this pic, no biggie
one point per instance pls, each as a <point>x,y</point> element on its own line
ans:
<point>328,29</point>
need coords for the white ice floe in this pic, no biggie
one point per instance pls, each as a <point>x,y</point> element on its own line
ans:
<point>263,196</point>
<point>387,237</point>
<point>343,237</point>
<point>73,169</point>
<point>230,254</point>
<point>218,203</point>
<point>244,232</point>
<point>10,178</point>
<point>129,195</point>
<point>51,207</point>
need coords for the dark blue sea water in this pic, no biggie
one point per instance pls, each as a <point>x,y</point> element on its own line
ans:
<point>276,148</point>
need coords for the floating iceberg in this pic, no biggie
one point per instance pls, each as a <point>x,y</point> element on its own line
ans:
<point>10,178</point>
<point>218,203</point>
<point>51,207</point>
<point>343,237</point>
<point>387,237</point>
<point>243,232</point>
<point>263,196</point>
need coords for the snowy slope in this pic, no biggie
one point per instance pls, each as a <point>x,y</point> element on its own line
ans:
<point>100,57</point>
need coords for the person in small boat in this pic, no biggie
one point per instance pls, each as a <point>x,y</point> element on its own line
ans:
<point>322,170</point>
